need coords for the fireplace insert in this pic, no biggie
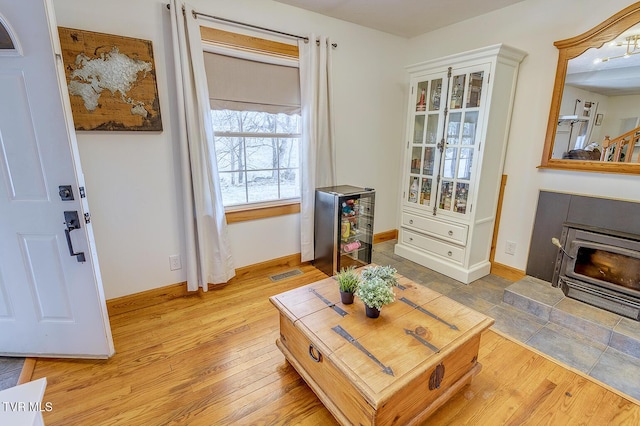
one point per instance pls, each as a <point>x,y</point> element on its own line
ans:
<point>600,267</point>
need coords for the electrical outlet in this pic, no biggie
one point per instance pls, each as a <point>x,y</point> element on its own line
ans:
<point>510,247</point>
<point>174,262</point>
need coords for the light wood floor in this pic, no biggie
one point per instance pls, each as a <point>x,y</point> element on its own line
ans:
<point>210,359</point>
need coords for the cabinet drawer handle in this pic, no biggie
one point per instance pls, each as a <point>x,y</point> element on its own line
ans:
<point>450,233</point>
<point>410,221</point>
<point>410,238</point>
<point>449,253</point>
<point>315,354</point>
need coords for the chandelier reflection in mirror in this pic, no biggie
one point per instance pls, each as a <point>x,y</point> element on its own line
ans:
<point>630,42</point>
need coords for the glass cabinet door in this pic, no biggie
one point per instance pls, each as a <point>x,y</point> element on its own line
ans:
<point>426,133</point>
<point>356,230</point>
<point>461,139</point>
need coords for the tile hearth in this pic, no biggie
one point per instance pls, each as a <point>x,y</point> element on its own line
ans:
<point>533,312</point>
<point>600,343</point>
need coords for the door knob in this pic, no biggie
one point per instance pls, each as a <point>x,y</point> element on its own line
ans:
<point>72,222</point>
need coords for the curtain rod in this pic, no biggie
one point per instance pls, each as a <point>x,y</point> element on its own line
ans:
<point>217,18</point>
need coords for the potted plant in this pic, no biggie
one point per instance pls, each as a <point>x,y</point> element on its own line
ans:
<point>387,273</point>
<point>376,288</point>
<point>348,281</point>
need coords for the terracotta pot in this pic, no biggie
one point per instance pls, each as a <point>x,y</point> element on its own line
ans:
<point>346,297</point>
<point>372,312</point>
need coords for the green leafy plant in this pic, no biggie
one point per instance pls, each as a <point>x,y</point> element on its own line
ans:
<point>375,292</point>
<point>348,279</point>
<point>386,273</point>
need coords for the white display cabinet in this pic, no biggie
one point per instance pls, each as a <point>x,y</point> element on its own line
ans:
<point>457,129</point>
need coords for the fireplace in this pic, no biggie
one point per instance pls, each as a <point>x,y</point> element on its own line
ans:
<point>600,267</point>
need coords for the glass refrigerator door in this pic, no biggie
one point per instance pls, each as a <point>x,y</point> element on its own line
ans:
<point>426,133</point>
<point>356,230</point>
<point>461,139</point>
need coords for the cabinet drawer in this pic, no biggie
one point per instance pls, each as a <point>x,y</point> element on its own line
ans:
<point>441,248</point>
<point>452,232</point>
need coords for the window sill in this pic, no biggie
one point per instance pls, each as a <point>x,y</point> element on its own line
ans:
<point>262,212</point>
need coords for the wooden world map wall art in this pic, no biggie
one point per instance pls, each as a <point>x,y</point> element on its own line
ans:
<point>111,81</point>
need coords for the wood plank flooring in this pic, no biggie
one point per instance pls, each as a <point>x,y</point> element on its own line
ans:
<point>210,359</point>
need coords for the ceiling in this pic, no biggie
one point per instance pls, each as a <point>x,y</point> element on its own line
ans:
<point>410,18</point>
<point>405,18</point>
<point>619,76</point>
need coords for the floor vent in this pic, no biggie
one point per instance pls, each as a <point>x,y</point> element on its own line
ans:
<point>288,274</point>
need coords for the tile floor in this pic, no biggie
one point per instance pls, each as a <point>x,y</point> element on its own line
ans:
<point>538,326</point>
<point>10,369</point>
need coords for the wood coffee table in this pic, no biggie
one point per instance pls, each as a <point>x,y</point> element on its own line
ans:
<point>396,369</point>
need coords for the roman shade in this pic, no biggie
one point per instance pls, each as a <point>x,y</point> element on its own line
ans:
<point>245,85</point>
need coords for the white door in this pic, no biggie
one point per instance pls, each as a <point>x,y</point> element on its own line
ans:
<point>51,301</point>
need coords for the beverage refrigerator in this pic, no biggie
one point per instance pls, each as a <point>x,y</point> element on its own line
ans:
<point>343,227</point>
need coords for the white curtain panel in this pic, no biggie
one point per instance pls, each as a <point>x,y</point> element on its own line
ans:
<point>318,150</point>
<point>208,253</point>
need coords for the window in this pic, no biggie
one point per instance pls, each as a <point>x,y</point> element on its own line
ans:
<point>255,110</point>
<point>5,38</point>
<point>257,156</point>
<point>9,45</point>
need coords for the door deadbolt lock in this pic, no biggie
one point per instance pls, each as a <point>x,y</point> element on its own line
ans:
<point>65,192</point>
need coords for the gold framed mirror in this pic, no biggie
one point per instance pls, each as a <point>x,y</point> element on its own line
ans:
<point>594,119</point>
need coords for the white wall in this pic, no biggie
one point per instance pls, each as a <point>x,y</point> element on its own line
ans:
<point>620,108</point>
<point>133,177</point>
<point>533,26</point>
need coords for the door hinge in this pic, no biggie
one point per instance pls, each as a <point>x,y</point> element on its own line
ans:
<point>82,193</point>
<point>87,218</point>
